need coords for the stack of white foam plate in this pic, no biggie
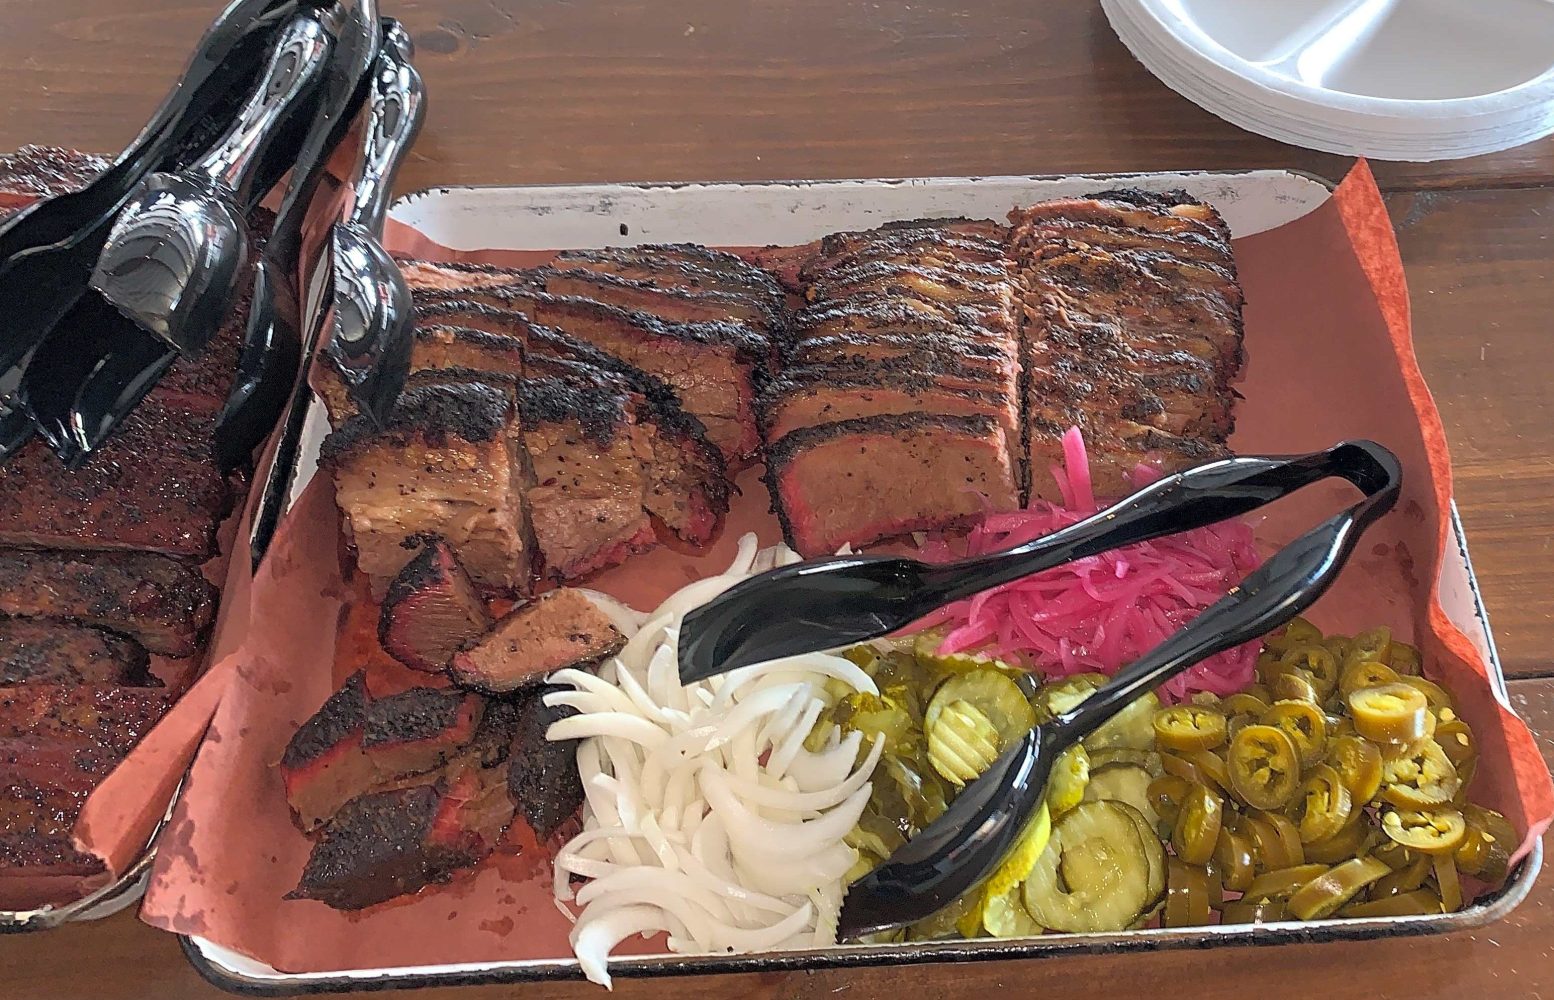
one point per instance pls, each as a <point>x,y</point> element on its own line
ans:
<point>1389,79</point>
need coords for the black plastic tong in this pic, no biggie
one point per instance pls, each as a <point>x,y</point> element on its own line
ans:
<point>47,250</point>
<point>830,603</point>
<point>96,364</point>
<point>272,347</point>
<point>963,846</point>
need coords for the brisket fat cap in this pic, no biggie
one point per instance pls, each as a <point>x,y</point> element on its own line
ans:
<point>449,462</point>
<point>559,629</point>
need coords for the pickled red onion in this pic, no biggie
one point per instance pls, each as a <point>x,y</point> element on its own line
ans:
<point>1101,612</point>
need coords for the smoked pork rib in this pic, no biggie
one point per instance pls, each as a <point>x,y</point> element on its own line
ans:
<point>1133,333</point>
<point>163,604</point>
<point>153,487</point>
<point>448,462</point>
<point>33,651</point>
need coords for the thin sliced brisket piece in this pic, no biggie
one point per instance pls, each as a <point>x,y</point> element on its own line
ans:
<point>162,604</point>
<point>683,265</point>
<point>542,776</point>
<point>808,396</point>
<point>1132,334</point>
<point>674,305</point>
<point>985,234</point>
<point>324,765</point>
<point>431,609</point>
<point>859,481</point>
<point>710,366</point>
<point>390,843</point>
<point>923,246</point>
<point>153,487</point>
<point>34,651</point>
<point>449,462</point>
<point>418,729</point>
<point>986,294</point>
<point>560,629</point>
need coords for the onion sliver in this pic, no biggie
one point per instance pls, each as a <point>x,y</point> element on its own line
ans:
<point>705,815</point>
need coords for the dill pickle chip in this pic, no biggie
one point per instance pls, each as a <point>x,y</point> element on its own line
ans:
<point>962,742</point>
<point>1070,775</point>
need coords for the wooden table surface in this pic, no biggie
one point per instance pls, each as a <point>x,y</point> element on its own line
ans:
<point>542,91</point>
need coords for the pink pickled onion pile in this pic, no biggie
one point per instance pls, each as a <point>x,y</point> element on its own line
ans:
<point>1101,612</point>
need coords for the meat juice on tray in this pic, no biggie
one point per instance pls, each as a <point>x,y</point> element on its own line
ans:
<point>918,377</point>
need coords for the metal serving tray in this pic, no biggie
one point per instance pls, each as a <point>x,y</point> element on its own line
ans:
<point>563,217</point>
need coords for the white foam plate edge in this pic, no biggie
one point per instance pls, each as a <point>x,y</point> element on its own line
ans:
<point>1167,21</point>
<point>1243,103</point>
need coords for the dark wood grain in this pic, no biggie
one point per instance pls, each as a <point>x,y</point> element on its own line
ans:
<point>1480,267</point>
<point>122,959</point>
<point>541,91</point>
<point>544,91</point>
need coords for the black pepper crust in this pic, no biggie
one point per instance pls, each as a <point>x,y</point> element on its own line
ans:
<point>542,775</point>
<point>429,567</point>
<point>494,342</point>
<point>687,264</point>
<point>34,651</point>
<point>767,315</point>
<point>342,715</point>
<point>749,345</point>
<point>436,413</point>
<point>417,714</point>
<point>376,847</point>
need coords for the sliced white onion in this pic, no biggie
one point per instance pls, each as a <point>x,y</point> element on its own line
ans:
<point>705,817</point>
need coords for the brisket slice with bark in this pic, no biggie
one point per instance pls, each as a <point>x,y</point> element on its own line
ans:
<point>324,765</point>
<point>682,265</point>
<point>562,628</point>
<point>39,862</point>
<point>859,481</point>
<point>1133,333</point>
<point>710,365</point>
<point>810,395</point>
<point>450,463</point>
<point>587,463</point>
<point>417,729</point>
<point>431,609</point>
<point>33,651</point>
<point>675,305</point>
<point>542,776</point>
<point>162,604</point>
<point>390,843</point>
